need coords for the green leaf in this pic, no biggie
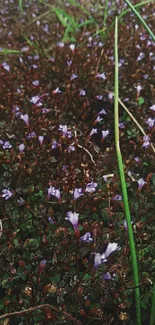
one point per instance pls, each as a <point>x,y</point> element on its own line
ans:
<point>1,306</point>
<point>140,101</point>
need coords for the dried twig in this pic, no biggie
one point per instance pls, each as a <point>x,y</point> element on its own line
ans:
<point>22,312</point>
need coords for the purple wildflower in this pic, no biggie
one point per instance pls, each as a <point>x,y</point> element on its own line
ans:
<point>74,76</point>
<point>50,220</point>
<point>53,191</point>
<point>102,112</point>
<point>64,130</point>
<point>125,224</point>
<point>7,145</point>
<point>146,143</point>
<point>71,148</point>
<point>25,49</point>
<point>31,135</point>
<point>152,107</point>
<point>82,92</point>
<point>92,132</point>
<point>87,237</point>
<point>117,198</point>
<point>6,194</point>
<point>72,47</point>
<point>6,66</point>
<point>97,260</point>
<point>25,118</point>
<point>73,218</point>
<point>141,183</point>
<point>35,82</point>
<point>41,139</point>
<point>98,120</point>
<point>36,100</point>
<point>54,144</point>
<point>137,160</point>
<point>100,97</point>
<point>21,201</point>
<point>45,110</point>
<point>121,125</point>
<point>112,247</point>
<point>21,147</point>
<point>150,122</point>
<point>105,134</point>
<point>101,76</point>
<point>107,276</point>
<point>56,91</point>
<point>77,193</point>
<point>16,110</point>
<point>91,187</point>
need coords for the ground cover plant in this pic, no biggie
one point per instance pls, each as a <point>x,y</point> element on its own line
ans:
<point>65,255</point>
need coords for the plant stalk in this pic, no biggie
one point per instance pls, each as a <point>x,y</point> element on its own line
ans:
<point>152,318</point>
<point>123,184</point>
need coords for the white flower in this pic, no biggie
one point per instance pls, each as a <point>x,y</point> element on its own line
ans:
<point>112,247</point>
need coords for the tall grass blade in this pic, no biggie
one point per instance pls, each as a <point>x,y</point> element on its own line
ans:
<point>123,184</point>
<point>141,19</point>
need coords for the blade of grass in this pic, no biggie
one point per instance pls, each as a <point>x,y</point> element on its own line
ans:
<point>105,13</point>
<point>152,318</point>
<point>9,51</point>
<point>21,5</point>
<point>124,12</point>
<point>123,184</point>
<point>141,19</point>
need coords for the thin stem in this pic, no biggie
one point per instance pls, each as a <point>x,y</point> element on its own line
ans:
<point>141,19</point>
<point>123,183</point>
<point>152,318</point>
<point>105,12</point>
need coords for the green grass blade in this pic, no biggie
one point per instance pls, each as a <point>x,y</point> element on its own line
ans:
<point>124,12</point>
<point>21,5</point>
<point>152,318</point>
<point>123,184</point>
<point>9,51</point>
<point>105,13</point>
<point>141,19</point>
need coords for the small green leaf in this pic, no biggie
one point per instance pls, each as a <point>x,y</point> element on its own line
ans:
<point>140,101</point>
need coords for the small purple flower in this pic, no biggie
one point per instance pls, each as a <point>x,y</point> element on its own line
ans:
<point>74,76</point>
<point>73,218</point>
<point>92,132</point>
<point>6,194</point>
<point>46,28</point>
<point>117,198</point>
<point>53,191</point>
<point>60,44</point>
<point>98,120</point>
<point>54,144</point>
<point>16,110</point>
<point>121,125</point>
<point>141,183</point>
<point>35,82</point>
<point>21,201</point>
<point>21,147</point>
<point>6,66</point>
<point>91,187</point>
<point>41,139</point>
<point>25,118</point>
<point>112,247</point>
<point>137,160</point>
<point>77,193</point>
<point>150,122</point>
<point>56,91</point>
<point>107,276</point>
<point>105,134</point>
<point>7,145</point>
<point>72,47</point>
<point>125,224</point>
<point>152,107</point>
<point>146,143</point>
<point>45,110</point>
<point>102,112</point>
<point>50,220</point>
<point>101,76</point>
<point>97,260</point>
<point>36,100</point>
<point>64,130</point>
<point>87,237</point>
<point>71,148</point>
<point>31,135</point>
<point>25,49</point>
<point>100,97</point>
<point>82,92</point>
